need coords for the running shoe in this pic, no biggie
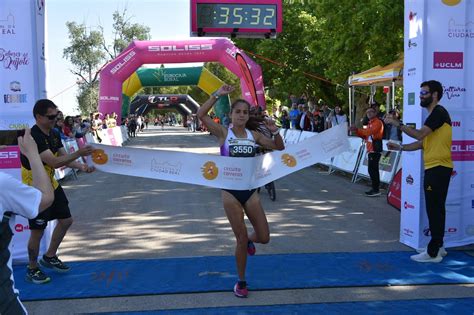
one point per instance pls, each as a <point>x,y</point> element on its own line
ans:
<point>442,251</point>
<point>54,263</point>
<point>251,250</point>
<point>372,193</point>
<point>240,289</point>
<point>36,276</point>
<point>424,257</point>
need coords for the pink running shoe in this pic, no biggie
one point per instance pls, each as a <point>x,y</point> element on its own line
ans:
<point>240,289</point>
<point>251,250</point>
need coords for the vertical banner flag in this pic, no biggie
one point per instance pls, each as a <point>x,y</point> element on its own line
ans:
<point>439,38</point>
<point>22,82</point>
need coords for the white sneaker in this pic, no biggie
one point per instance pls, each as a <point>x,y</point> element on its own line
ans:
<point>424,257</point>
<point>442,251</point>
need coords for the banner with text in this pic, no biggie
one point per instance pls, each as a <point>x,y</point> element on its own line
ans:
<point>219,171</point>
<point>439,37</point>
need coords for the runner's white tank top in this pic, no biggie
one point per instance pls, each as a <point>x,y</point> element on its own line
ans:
<point>239,147</point>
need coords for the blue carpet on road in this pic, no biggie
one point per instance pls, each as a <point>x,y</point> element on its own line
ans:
<point>433,307</point>
<point>109,278</point>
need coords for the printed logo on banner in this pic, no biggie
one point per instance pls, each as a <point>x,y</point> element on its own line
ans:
<point>415,25</point>
<point>15,86</point>
<point>12,60</point>
<point>460,30</point>
<point>462,150</point>
<point>409,180</point>
<point>99,157</point>
<point>123,62</point>
<point>411,98</point>
<point>449,230</point>
<point>411,71</point>
<point>408,232</point>
<point>455,123</point>
<point>452,92</point>
<point>451,2</point>
<point>210,170</point>
<point>407,205</point>
<point>40,6</point>
<point>288,160</point>
<point>7,25</point>
<point>411,44</point>
<point>166,167</point>
<point>448,60</point>
<point>20,228</point>
<point>109,98</point>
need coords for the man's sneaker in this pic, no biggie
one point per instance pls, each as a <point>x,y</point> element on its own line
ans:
<point>442,251</point>
<point>54,263</point>
<point>251,250</point>
<point>372,193</point>
<point>424,257</point>
<point>240,289</point>
<point>36,276</point>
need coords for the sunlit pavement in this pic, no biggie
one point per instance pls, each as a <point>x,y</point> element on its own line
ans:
<point>120,217</point>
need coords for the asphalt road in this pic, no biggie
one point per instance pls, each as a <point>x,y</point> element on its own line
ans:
<point>120,217</point>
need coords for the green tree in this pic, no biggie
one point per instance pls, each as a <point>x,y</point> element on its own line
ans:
<point>325,41</point>
<point>88,52</point>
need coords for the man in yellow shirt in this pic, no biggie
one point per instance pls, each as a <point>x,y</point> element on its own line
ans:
<point>434,138</point>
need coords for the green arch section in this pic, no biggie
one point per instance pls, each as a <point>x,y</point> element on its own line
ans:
<point>199,76</point>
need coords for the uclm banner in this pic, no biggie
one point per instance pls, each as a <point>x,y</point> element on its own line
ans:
<point>439,40</point>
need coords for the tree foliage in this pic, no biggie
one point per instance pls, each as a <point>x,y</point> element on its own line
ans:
<point>330,40</point>
<point>88,52</point>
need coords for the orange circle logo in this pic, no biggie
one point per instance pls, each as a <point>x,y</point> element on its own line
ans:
<point>99,157</point>
<point>451,2</point>
<point>210,170</point>
<point>288,160</point>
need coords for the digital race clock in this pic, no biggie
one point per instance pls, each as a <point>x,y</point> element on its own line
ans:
<point>236,18</point>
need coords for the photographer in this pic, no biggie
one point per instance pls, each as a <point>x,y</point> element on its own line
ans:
<point>19,199</point>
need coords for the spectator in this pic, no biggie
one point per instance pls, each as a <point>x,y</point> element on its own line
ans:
<point>53,155</point>
<point>391,132</point>
<point>294,113</point>
<point>68,126</point>
<point>305,119</point>
<point>19,199</point>
<point>435,139</point>
<point>319,122</point>
<point>285,119</point>
<point>373,135</point>
<point>337,117</point>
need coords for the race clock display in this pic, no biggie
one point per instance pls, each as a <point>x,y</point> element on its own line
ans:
<point>236,17</point>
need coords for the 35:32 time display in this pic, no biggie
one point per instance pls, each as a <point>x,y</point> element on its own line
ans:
<point>256,16</point>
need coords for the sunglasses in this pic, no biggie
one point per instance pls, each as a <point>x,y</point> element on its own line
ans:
<point>51,117</point>
<point>424,92</point>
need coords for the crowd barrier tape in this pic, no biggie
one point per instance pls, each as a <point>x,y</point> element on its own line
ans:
<point>388,165</point>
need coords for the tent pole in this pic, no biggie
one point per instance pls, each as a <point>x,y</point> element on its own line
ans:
<point>393,94</point>
<point>350,105</point>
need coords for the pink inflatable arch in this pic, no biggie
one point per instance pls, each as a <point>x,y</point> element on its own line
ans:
<point>181,51</point>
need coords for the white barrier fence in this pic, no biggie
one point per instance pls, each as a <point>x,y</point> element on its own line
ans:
<point>353,161</point>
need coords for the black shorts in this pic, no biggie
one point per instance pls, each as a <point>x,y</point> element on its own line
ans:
<point>242,196</point>
<point>58,210</point>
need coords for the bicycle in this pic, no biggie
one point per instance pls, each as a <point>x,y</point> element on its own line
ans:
<point>270,187</point>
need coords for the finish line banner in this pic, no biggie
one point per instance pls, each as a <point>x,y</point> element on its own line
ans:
<point>220,171</point>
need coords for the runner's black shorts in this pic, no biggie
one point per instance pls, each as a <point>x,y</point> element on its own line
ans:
<point>58,210</point>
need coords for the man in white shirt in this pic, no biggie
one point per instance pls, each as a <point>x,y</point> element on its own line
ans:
<point>337,117</point>
<point>17,198</point>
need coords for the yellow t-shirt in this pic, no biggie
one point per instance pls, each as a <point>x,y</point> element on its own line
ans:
<point>44,142</point>
<point>437,145</point>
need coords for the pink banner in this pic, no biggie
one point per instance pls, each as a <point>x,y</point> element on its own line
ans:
<point>462,150</point>
<point>191,50</point>
<point>10,157</point>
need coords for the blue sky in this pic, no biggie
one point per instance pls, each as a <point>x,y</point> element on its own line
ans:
<point>167,19</point>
